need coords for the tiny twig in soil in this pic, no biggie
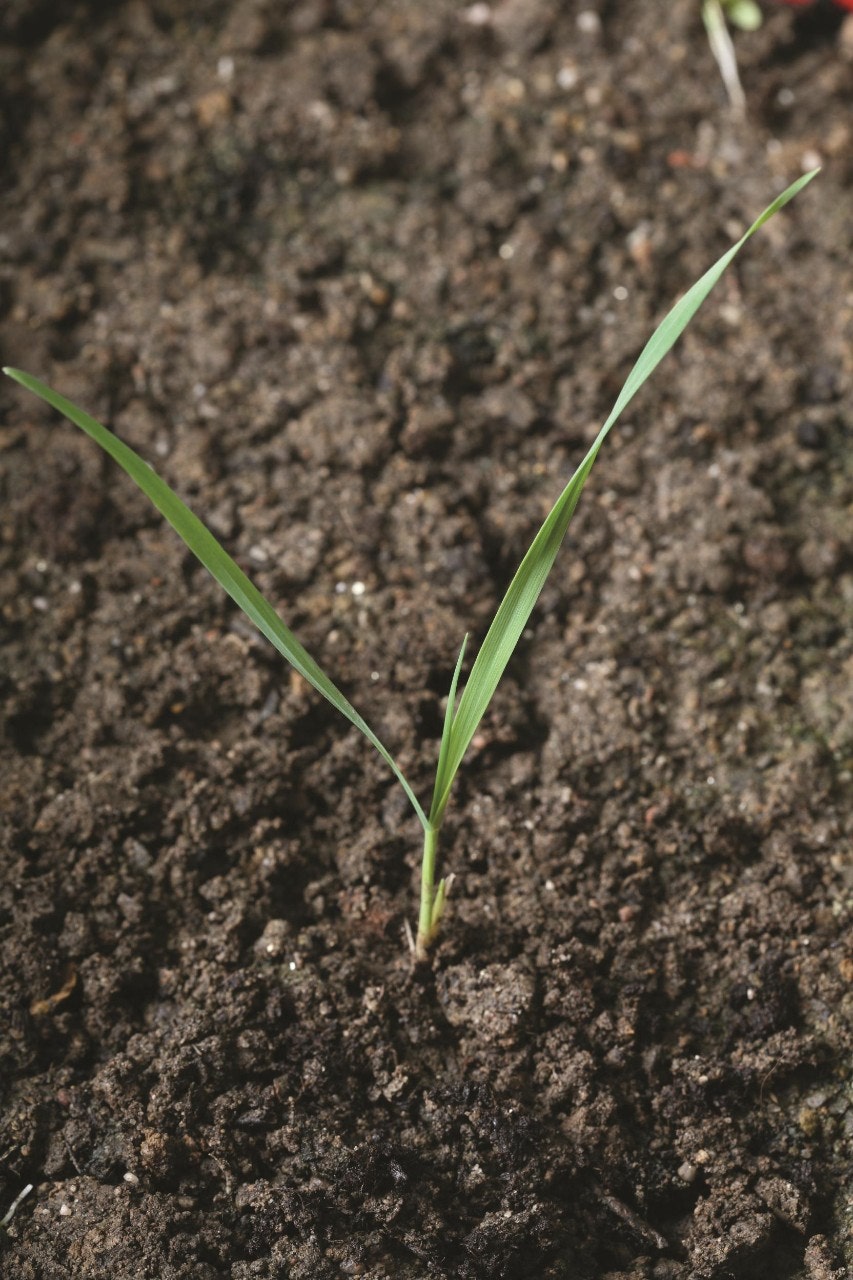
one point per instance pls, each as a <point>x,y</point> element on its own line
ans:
<point>10,1213</point>
<point>643,1229</point>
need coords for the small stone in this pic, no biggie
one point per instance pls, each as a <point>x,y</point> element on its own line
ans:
<point>274,940</point>
<point>212,107</point>
<point>809,435</point>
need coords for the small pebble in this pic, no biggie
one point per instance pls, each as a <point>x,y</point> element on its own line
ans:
<point>589,22</point>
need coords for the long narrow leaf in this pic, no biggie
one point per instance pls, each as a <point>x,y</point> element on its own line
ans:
<point>448,721</point>
<point>216,560</point>
<point>511,618</point>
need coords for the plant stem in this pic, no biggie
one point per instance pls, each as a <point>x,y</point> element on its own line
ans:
<point>427,925</point>
<point>724,53</point>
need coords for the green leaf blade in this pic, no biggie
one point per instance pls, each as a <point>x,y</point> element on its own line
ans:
<point>205,547</point>
<point>434,815</point>
<point>524,590</point>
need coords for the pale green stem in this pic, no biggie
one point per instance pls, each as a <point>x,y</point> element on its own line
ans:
<point>427,923</point>
<point>724,53</point>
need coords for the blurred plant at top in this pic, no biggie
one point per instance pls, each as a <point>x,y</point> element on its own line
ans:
<point>745,15</point>
<point>716,14</point>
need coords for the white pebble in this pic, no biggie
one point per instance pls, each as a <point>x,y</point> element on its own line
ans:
<point>478,15</point>
<point>589,22</point>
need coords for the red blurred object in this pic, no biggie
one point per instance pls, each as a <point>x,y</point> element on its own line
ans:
<point>805,4</point>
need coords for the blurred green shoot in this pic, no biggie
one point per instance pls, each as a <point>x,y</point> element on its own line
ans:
<point>746,16</point>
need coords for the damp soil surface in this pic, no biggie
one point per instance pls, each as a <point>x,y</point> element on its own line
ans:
<point>363,280</point>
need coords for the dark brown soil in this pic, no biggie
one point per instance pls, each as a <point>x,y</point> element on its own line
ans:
<point>362,279</point>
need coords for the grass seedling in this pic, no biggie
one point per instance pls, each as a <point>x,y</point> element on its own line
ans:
<point>463,716</point>
<point>743,14</point>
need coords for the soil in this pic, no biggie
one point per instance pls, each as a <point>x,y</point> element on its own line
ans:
<point>363,280</point>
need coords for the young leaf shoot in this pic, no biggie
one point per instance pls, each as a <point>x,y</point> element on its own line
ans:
<point>461,721</point>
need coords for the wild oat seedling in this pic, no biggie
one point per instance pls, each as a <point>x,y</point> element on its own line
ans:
<point>461,719</point>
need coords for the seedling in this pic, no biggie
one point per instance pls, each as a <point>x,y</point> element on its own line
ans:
<point>744,14</point>
<point>461,718</point>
